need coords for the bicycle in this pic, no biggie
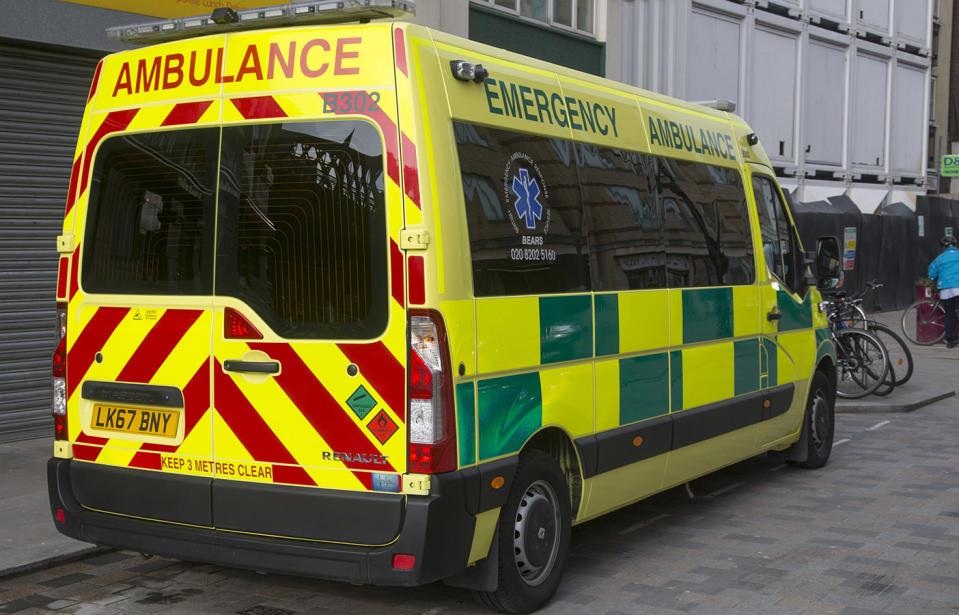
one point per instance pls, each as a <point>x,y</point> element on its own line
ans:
<point>852,315</point>
<point>924,322</point>
<point>862,362</point>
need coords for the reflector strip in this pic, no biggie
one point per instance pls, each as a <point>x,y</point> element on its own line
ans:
<point>186,113</point>
<point>396,272</point>
<point>74,180</point>
<point>252,431</point>
<point>74,267</point>
<point>62,277</point>
<point>417,287</point>
<point>399,43</point>
<point>96,81</point>
<point>411,176</point>
<point>383,371</point>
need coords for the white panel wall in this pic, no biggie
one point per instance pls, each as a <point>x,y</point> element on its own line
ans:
<point>772,103</point>
<point>839,11</point>
<point>713,55</point>
<point>913,23</point>
<point>824,102</point>
<point>873,15</point>
<point>910,104</point>
<point>867,137</point>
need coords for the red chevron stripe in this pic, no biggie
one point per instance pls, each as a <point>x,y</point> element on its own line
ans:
<point>90,341</point>
<point>146,461</point>
<point>186,113</point>
<point>250,428</point>
<point>74,268</point>
<point>411,176</point>
<point>84,452</point>
<point>323,412</point>
<point>396,272</point>
<point>96,81</point>
<point>74,178</point>
<point>257,107</point>
<point>399,42</point>
<point>417,286</point>
<point>115,121</point>
<point>62,273</point>
<point>382,370</point>
<point>157,345</point>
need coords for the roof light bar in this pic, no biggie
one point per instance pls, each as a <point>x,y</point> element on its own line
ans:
<point>290,14</point>
<point>720,104</point>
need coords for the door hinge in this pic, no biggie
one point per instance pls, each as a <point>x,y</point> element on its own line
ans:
<point>416,484</point>
<point>66,243</point>
<point>414,240</point>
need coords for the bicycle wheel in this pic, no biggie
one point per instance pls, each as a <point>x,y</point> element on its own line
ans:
<point>900,357</point>
<point>861,363</point>
<point>924,322</point>
<point>853,317</point>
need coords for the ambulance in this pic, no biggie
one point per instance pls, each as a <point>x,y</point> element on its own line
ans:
<point>346,297</point>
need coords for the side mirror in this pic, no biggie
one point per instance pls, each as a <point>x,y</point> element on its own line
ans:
<point>828,263</point>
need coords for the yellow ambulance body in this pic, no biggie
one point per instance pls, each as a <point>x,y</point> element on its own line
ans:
<point>375,303</point>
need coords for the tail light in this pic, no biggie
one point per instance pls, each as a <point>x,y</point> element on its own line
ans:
<point>59,407</point>
<point>430,423</point>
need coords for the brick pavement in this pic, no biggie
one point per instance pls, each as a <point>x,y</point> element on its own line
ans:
<point>876,531</point>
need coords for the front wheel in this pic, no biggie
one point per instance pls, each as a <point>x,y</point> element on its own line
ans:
<point>819,423</point>
<point>861,363</point>
<point>534,535</point>
<point>900,357</point>
<point>924,322</point>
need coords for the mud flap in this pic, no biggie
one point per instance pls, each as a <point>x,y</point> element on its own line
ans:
<point>484,574</point>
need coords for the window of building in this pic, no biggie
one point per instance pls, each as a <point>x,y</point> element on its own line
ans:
<point>578,15</point>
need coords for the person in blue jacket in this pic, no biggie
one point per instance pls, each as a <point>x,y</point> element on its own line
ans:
<point>945,269</point>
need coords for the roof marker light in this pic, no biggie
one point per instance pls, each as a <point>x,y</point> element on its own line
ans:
<point>286,14</point>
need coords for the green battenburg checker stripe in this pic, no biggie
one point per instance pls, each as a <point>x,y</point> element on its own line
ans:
<point>769,365</point>
<point>607,324</point>
<point>707,314</point>
<point>676,380</point>
<point>824,345</point>
<point>361,402</point>
<point>795,316</point>
<point>643,387</point>
<point>565,328</point>
<point>510,411</point>
<point>746,364</point>
<point>466,423</point>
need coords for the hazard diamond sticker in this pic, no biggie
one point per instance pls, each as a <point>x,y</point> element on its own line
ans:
<point>382,426</point>
<point>361,402</point>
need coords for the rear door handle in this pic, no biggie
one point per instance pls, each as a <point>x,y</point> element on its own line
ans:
<point>773,315</point>
<point>252,367</point>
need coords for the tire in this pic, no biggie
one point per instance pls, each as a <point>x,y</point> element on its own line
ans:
<point>861,363</point>
<point>924,322</point>
<point>900,357</point>
<point>819,423</point>
<point>854,317</point>
<point>534,535</point>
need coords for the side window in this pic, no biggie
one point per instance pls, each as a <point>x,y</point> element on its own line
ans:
<point>625,222</point>
<point>780,246</point>
<point>150,223</point>
<point>524,212</point>
<point>706,224</point>
<point>301,228</point>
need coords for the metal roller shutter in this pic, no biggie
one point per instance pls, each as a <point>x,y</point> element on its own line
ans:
<point>42,94</point>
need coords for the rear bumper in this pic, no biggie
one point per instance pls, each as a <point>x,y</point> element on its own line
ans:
<point>438,529</point>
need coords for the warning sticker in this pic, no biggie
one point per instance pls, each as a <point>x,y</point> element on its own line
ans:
<point>382,426</point>
<point>361,402</point>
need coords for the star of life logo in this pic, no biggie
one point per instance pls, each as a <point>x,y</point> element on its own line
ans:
<point>527,203</point>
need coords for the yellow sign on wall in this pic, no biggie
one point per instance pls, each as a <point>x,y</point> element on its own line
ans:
<point>174,8</point>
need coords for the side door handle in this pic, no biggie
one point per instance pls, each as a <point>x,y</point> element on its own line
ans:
<point>774,315</point>
<point>252,367</point>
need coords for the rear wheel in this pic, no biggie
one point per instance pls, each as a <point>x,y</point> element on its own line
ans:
<point>924,322</point>
<point>534,535</point>
<point>820,422</point>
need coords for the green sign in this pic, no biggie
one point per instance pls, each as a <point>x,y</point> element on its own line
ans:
<point>949,166</point>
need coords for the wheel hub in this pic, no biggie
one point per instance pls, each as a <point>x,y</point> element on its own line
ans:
<point>535,533</point>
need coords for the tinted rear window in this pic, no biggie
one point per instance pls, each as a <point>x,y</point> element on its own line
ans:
<point>300,225</point>
<point>150,221</point>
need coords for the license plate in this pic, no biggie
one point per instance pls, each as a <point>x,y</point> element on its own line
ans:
<point>147,421</point>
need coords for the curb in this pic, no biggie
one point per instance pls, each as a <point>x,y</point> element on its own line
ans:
<point>55,560</point>
<point>859,407</point>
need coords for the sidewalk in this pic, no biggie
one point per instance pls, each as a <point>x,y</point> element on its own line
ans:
<point>29,539</point>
